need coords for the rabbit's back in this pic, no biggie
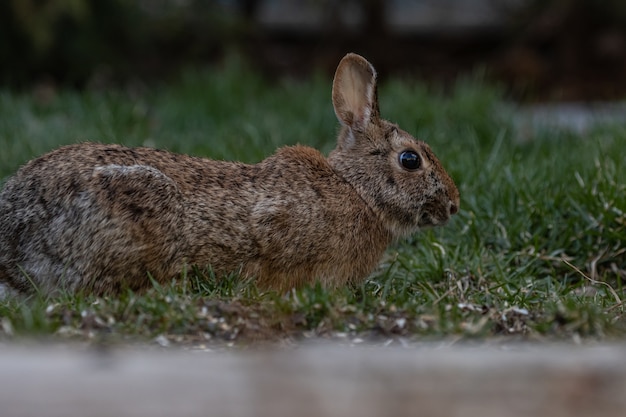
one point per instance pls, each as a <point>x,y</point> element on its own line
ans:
<point>100,217</point>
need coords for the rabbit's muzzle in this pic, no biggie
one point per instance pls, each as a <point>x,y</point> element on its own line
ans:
<point>438,213</point>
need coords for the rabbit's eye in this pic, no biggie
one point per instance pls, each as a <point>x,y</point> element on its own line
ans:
<point>410,160</point>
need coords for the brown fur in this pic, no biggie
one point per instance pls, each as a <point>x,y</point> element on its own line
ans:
<point>99,218</point>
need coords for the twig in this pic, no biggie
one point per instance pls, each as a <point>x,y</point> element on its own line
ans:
<point>593,281</point>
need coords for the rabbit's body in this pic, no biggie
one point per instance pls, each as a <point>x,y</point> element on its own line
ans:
<point>164,211</point>
<point>99,218</point>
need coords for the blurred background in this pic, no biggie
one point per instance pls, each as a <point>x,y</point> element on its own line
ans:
<point>538,50</point>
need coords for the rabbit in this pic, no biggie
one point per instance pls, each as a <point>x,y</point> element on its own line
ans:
<point>101,219</point>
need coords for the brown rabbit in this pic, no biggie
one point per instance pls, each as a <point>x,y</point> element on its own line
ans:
<point>100,218</point>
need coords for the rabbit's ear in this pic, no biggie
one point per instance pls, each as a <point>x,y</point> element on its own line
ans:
<point>354,92</point>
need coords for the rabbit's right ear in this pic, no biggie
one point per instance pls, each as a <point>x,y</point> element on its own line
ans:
<point>354,92</point>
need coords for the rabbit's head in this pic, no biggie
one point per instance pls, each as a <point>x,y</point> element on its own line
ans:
<point>399,177</point>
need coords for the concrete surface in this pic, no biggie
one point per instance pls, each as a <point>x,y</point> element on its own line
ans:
<point>576,117</point>
<point>533,381</point>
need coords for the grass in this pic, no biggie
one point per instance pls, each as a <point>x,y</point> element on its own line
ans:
<point>538,251</point>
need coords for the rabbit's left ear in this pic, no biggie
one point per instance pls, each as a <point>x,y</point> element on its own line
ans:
<point>354,92</point>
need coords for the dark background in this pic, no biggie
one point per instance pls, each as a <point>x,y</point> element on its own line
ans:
<point>536,49</point>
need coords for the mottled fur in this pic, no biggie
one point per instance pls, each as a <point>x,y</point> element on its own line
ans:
<point>99,218</point>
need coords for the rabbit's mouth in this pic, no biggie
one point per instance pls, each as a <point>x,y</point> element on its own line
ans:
<point>427,220</point>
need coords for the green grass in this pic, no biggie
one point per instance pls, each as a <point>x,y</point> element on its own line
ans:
<point>538,251</point>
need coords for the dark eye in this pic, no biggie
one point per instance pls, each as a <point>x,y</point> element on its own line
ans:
<point>410,160</point>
